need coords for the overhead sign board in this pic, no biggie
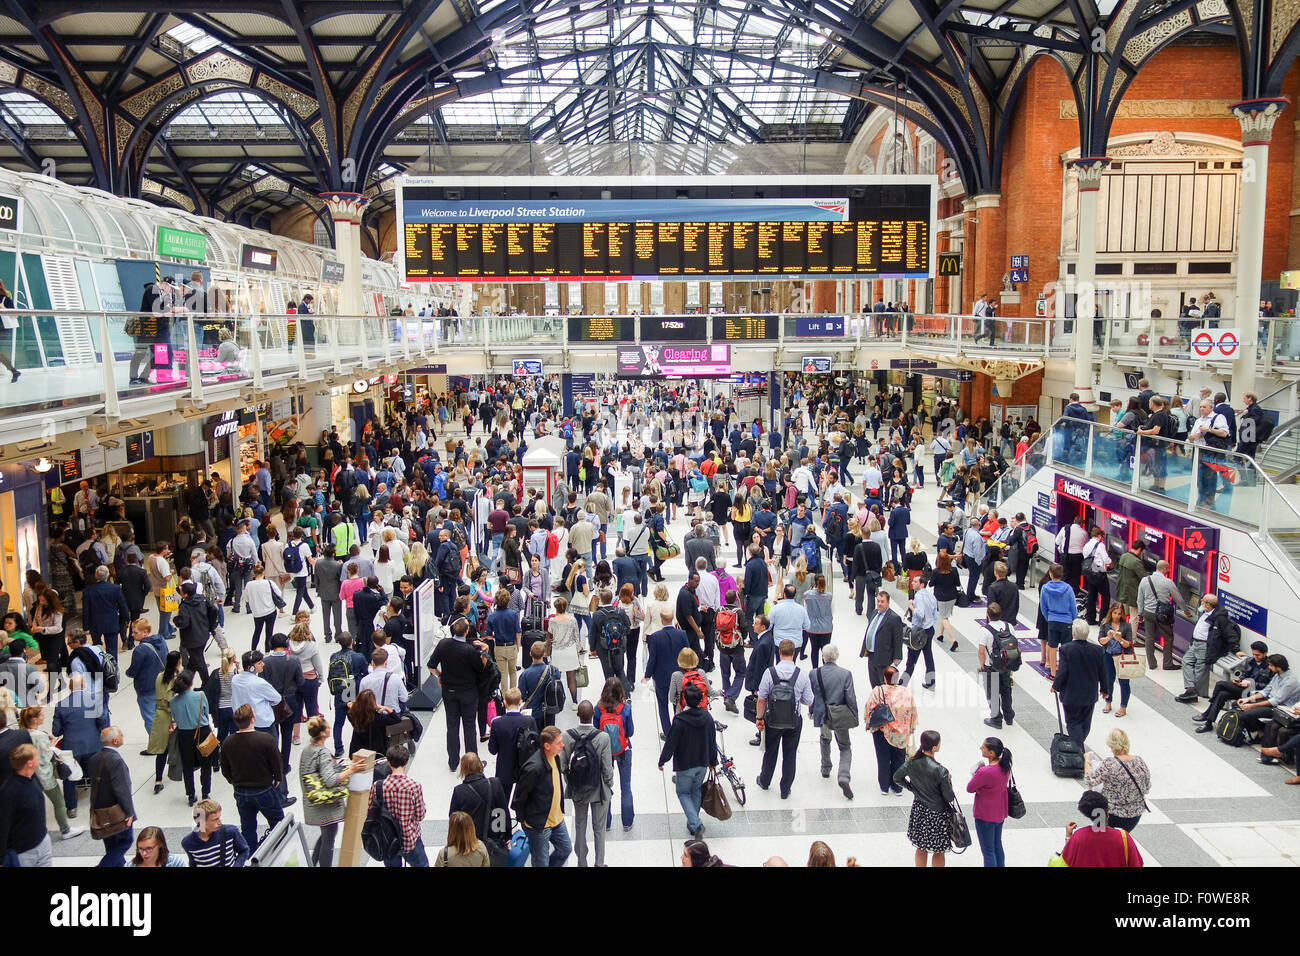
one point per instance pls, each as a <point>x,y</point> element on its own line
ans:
<point>684,361</point>
<point>257,257</point>
<point>11,213</point>
<point>331,271</point>
<point>828,326</point>
<point>949,264</point>
<point>816,364</point>
<point>181,244</point>
<point>1216,343</point>
<point>527,366</point>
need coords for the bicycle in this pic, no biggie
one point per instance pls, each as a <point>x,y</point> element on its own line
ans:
<point>727,766</point>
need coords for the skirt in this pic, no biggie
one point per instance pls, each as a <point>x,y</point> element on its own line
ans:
<point>945,609</point>
<point>929,830</point>
<point>565,658</point>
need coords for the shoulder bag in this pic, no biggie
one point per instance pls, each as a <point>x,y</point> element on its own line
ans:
<point>1015,802</point>
<point>104,821</point>
<point>713,800</point>
<point>838,716</point>
<point>960,829</point>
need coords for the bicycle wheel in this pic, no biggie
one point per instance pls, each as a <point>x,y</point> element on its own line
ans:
<point>737,786</point>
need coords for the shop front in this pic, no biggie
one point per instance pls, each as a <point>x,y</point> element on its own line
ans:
<point>23,528</point>
<point>231,447</point>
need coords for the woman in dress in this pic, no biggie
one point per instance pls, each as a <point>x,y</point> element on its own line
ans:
<point>566,646</point>
<point>62,562</point>
<point>328,773</point>
<point>929,828</point>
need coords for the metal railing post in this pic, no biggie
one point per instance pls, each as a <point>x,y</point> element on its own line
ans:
<point>406,338</point>
<point>1137,464</point>
<point>386,333</point>
<point>336,354</point>
<point>112,401</point>
<point>192,361</point>
<point>1194,487</point>
<point>364,345</point>
<point>300,349</point>
<point>1087,459</point>
<point>957,320</point>
<point>254,352</point>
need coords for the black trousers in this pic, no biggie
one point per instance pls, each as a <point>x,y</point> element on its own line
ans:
<point>888,760</point>
<point>461,707</point>
<point>787,742</point>
<point>1073,566</point>
<point>708,624</point>
<point>1222,693</point>
<point>611,665</point>
<point>1078,722</point>
<point>191,759</point>
<point>194,661</point>
<point>1097,598</point>
<point>861,591</point>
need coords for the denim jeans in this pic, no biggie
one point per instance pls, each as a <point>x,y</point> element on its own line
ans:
<point>990,837</point>
<point>415,856</point>
<point>688,793</point>
<point>308,695</point>
<point>623,762</point>
<point>1111,679</point>
<point>642,573</point>
<point>116,847</point>
<point>556,837</point>
<point>252,802</point>
<point>340,715</point>
<point>147,704</point>
<point>300,594</point>
<point>165,629</point>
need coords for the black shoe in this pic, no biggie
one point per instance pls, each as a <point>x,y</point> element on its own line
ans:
<point>730,705</point>
<point>826,774</point>
<point>662,737</point>
<point>193,800</point>
<point>290,801</point>
<point>1009,719</point>
<point>761,784</point>
<point>1204,729</point>
<point>847,791</point>
<point>1187,698</point>
<point>995,723</point>
<point>699,832</point>
<point>896,791</point>
<point>1267,761</point>
<point>928,686</point>
<point>453,765</point>
<point>145,753</point>
<point>785,794</point>
<point>758,739</point>
<point>15,376</point>
<point>1200,718</point>
<point>954,646</point>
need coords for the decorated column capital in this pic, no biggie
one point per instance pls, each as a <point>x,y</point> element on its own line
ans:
<point>1257,118</point>
<point>987,201</point>
<point>345,207</point>
<point>1090,170</point>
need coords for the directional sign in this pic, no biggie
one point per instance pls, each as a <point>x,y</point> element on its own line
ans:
<point>1019,276</point>
<point>1020,262</point>
<point>1216,343</point>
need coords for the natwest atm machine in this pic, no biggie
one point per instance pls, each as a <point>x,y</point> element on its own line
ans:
<point>1191,549</point>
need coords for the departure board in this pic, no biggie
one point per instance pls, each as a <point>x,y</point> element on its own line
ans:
<point>741,328</point>
<point>602,328</point>
<point>508,234</point>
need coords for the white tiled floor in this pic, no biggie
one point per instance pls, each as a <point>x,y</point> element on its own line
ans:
<point>871,827</point>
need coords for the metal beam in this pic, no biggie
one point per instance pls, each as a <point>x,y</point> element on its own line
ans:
<point>144,36</point>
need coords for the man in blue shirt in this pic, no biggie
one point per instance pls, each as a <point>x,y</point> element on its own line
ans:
<point>504,630</point>
<point>783,738</point>
<point>973,551</point>
<point>789,619</point>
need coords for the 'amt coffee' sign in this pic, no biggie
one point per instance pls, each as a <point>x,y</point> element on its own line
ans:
<point>257,257</point>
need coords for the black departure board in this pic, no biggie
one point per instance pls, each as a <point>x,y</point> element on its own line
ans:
<point>600,250</point>
<point>602,328</point>
<point>741,328</point>
<point>675,328</point>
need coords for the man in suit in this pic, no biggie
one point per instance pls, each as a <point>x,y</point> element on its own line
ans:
<point>114,778</point>
<point>593,803</point>
<point>833,684</point>
<point>1080,680</point>
<point>104,612</point>
<point>625,568</point>
<point>697,545</point>
<point>282,671</point>
<point>365,605</point>
<point>134,582</point>
<point>329,575</point>
<point>763,657</point>
<point>883,643</point>
<point>503,735</point>
<point>664,646</point>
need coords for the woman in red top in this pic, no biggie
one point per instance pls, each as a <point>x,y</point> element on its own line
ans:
<point>1098,844</point>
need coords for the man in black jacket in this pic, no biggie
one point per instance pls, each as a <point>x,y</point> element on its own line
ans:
<point>867,564</point>
<point>114,788</point>
<point>195,620</point>
<point>458,665</point>
<point>1080,680</point>
<point>134,581</point>
<point>282,671</point>
<point>447,561</point>
<point>764,656</point>
<point>539,802</point>
<point>365,605</point>
<point>503,734</point>
<point>693,746</point>
<point>754,584</point>
<point>882,645</point>
<point>1005,594</point>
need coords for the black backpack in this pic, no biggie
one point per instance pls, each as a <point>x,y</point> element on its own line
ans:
<point>1005,654</point>
<point>782,712</point>
<point>833,525</point>
<point>339,677</point>
<point>526,744</point>
<point>582,766</point>
<point>613,636</point>
<point>381,834</point>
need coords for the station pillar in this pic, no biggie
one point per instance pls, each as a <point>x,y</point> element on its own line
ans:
<point>1090,170</point>
<point>1257,118</point>
<point>346,209</point>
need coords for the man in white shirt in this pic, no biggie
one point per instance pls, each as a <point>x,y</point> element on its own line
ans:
<point>1069,549</point>
<point>389,688</point>
<point>249,687</point>
<point>1096,561</point>
<point>872,479</point>
<point>1210,431</point>
<point>805,481</point>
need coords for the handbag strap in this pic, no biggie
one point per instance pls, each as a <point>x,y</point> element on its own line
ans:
<point>1123,837</point>
<point>1124,764</point>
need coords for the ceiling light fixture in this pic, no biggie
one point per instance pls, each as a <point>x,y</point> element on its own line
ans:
<point>43,465</point>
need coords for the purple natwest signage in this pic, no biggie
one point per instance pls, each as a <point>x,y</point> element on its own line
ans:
<point>688,361</point>
<point>1169,522</point>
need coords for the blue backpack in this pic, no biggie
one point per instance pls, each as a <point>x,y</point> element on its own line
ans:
<point>812,552</point>
<point>293,558</point>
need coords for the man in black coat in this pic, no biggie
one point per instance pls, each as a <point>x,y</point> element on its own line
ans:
<point>882,645</point>
<point>763,657</point>
<point>663,646</point>
<point>754,584</point>
<point>1080,680</point>
<point>195,621</point>
<point>365,605</point>
<point>504,734</point>
<point>282,671</point>
<point>535,793</point>
<point>114,788</point>
<point>134,582</point>
<point>104,611</point>
<point>867,564</point>
<point>1005,594</point>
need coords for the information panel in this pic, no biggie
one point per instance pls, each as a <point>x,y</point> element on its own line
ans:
<point>677,361</point>
<point>861,231</point>
<point>602,328</point>
<point>744,328</point>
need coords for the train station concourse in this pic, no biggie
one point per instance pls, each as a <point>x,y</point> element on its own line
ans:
<point>638,434</point>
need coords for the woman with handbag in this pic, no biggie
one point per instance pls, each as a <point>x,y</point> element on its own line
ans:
<point>160,735</point>
<point>324,778</point>
<point>890,717</point>
<point>483,799</point>
<point>49,769</point>
<point>1116,637</point>
<point>929,827</point>
<point>191,720</point>
<point>990,783</point>
<point>1122,777</point>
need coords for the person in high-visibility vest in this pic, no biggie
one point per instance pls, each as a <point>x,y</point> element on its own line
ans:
<point>344,535</point>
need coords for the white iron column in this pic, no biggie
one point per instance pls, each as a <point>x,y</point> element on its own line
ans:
<point>1090,170</point>
<point>1257,118</point>
<point>346,210</point>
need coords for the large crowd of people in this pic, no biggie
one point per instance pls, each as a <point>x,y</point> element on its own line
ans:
<point>534,586</point>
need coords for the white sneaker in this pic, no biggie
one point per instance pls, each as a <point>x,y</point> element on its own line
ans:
<point>74,832</point>
<point>574,708</point>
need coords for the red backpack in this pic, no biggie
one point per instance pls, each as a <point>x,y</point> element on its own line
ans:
<point>552,545</point>
<point>693,676</point>
<point>728,635</point>
<point>617,743</point>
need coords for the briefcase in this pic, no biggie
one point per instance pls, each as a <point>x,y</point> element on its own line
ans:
<point>751,708</point>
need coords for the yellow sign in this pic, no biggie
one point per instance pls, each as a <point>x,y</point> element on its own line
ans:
<point>949,264</point>
<point>1289,280</point>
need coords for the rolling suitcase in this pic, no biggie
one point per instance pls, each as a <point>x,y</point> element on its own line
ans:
<point>1067,756</point>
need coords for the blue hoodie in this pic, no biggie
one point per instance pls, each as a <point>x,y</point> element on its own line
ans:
<point>1057,602</point>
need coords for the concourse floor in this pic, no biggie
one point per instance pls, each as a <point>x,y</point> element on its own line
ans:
<point>1210,804</point>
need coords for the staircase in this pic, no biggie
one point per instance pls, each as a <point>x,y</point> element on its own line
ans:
<point>1279,457</point>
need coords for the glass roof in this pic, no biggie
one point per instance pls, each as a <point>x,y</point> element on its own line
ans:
<point>233,108</point>
<point>20,109</point>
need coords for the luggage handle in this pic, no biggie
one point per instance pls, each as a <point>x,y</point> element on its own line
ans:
<point>1060,726</point>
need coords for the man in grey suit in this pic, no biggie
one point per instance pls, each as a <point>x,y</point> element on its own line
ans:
<point>329,574</point>
<point>111,784</point>
<point>698,544</point>
<point>833,687</point>
<point>883,643</point>
<point>593,802</point>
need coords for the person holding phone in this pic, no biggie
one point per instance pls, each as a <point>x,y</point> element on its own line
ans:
<point>1116,638</point>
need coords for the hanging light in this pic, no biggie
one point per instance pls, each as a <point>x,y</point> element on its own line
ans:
<point>43,465</point>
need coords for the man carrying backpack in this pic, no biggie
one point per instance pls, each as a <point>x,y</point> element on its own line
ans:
<point>783,688</point>
<point>542,688</point>
<point>538,803</point>
<point>448,563</point>
<point>609,635</point>
<point>589,771</point>
<point>341,675</point>
<point>731,649</point>
<point>999,655</point>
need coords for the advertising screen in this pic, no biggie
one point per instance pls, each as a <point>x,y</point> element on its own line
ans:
<point>679,361</point>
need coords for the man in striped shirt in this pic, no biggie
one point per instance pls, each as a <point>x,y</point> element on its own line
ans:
<point>213,843</point>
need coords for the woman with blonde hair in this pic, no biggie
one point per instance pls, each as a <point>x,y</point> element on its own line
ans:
<point>463,848</point>
<point>1123,778</point>
<point>630,605</point>
<point>416,559</point>
<point>225,711</point>
<point>304,647</point>
<point>800,578</point>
